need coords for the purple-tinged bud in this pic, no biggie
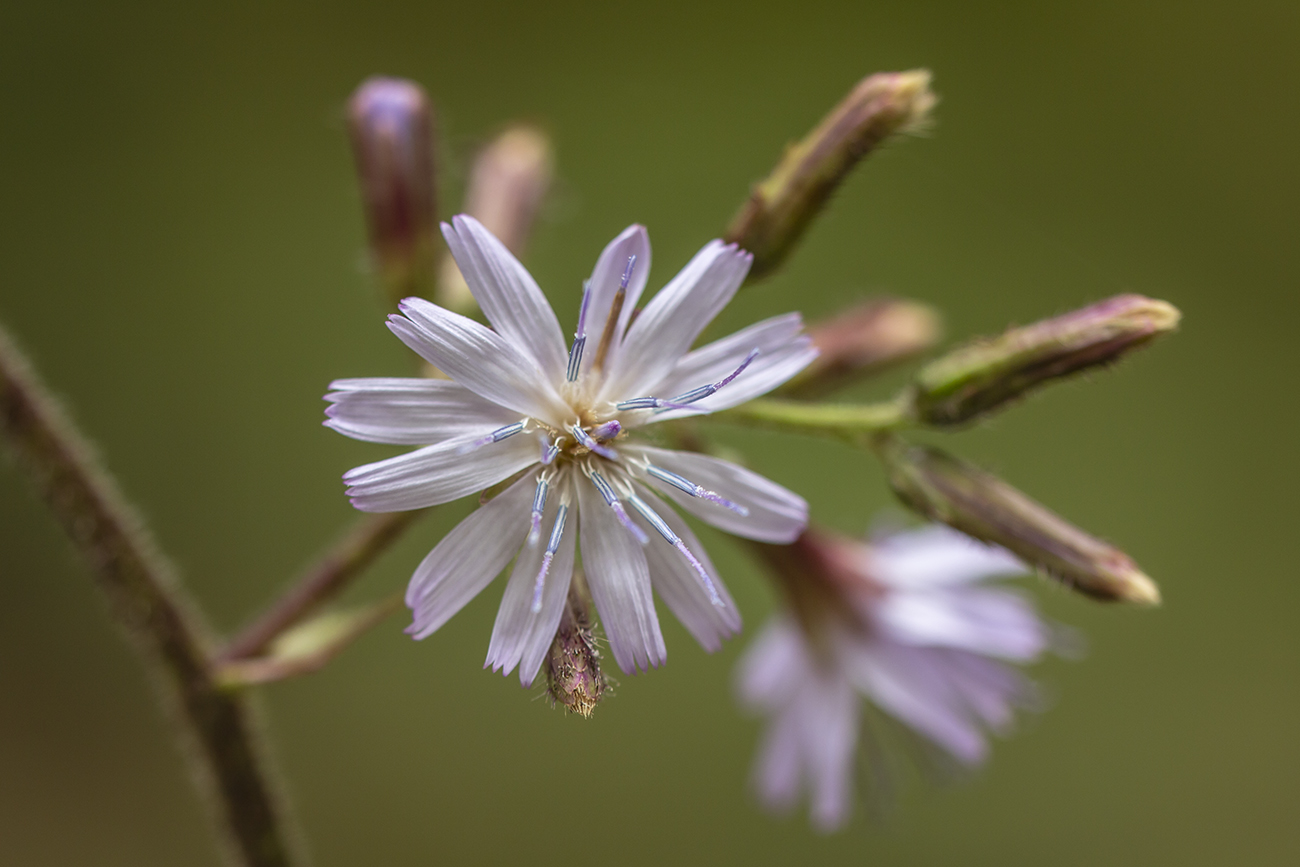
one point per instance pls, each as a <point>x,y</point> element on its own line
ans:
<point>988,373</point>
<point>943,488</point>
<point>862,341</point>
<point>782,206</point>
<point>573,675</point>
<point>507,184</point>
<point>391,125</point>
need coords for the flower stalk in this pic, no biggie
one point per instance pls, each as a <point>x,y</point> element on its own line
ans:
<point>782,206</point>
<point>855,424</point>
<point>145,598</point>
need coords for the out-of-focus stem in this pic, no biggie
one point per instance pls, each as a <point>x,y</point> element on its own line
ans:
<point>337,568</point>
<point>854,424</point>
<point>308,647</point>
<point>148,603</point>
<point>507,183</point>
<point>784,204</point>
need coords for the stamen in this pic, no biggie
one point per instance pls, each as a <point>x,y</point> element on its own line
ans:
<point>549,449</point>
<point>539,504</point>
<point>495,437</point>
<point>615,310</point>
<point>585,440</point>
<point>673,539</point>
<point>607,431</point>
<point>640,403</point>
<point>579,336</point>
<point>705,390</point>
<point>557,533</point>
<point>611,499</point>
<point>685,399</point>
<point>695,490</point>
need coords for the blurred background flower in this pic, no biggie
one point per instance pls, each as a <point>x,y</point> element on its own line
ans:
<point>184,256</point>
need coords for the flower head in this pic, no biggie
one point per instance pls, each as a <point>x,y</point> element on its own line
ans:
<point>905,622</point>
<point>558,424</point>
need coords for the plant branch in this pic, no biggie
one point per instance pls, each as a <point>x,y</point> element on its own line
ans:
<point>147,602</point>
<point>349,557</point>
<point>851,423</point>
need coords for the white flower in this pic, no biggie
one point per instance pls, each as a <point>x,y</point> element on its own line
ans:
<point>519,404</point>
<point>905,623</point>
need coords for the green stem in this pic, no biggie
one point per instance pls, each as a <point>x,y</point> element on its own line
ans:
<point>147,601</point>
<point>852,423</point>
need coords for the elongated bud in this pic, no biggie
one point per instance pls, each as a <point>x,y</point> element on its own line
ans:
<point>986,374</point>
<point>943,488</point>
<point>862,341</point>
<point>509,179</point>
<point>781,207</point>
<point>573,675</point>
<point>391,126</point>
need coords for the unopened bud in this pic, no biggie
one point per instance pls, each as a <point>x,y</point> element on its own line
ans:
<point>391,126</point>
<point>783,205</point>
<point>509,179</point>
<point>573,675</point>
<point>862,341</point>
<point>943,488</point>
<point>986,374</point>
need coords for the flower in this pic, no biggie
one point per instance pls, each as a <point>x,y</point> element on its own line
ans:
<point>519,407</point>
<point>903,621</point>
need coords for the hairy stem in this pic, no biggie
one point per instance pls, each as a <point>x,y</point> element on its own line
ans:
<point>147,602</point>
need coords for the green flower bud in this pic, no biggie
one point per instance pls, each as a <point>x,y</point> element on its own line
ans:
<point>861,341</point>
<point>781,207</point>
<point>943,488</point>
<point>987,373</point>
<point>573,675</point>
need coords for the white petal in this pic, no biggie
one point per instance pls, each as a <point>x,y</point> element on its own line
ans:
<point>519,636</point>
<point>680,586</point>
<point>411,411</point>
<point>830,712</point>
<point>775,514</point>
<point>782,352</point>
<point>992,689</point>
<point>477,357</point>
<point>913,684</point>
<point>436,474</point>
<point>764,374</point>
<point>773,667</point>
<point>779,769</point>
<point>469,557</point>
<point>605,280</point>
<point>673,319</point>
<point>981,620</point>
<point>936,555</point>
<point>510,298</point>
<point>619,579</point>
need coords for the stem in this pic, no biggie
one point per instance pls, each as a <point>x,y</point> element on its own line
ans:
<point>852,423</point>
<point>349,557</point>
<point>147,601</point>
<point>309,647</point>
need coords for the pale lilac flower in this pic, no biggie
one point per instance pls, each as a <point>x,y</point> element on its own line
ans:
<point>520,406</point>
<point>904,622</point>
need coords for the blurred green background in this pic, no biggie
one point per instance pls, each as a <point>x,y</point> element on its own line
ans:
<point>181,253</point>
